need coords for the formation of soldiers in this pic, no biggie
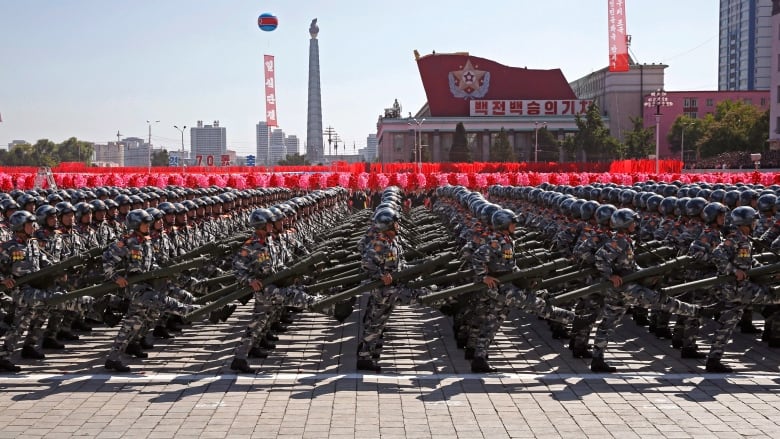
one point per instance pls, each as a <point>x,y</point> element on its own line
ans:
<point>56,244</point>
<point>152,260</point>
<point>600,231</point>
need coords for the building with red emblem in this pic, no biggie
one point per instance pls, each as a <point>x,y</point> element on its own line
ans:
<point>486,97</point>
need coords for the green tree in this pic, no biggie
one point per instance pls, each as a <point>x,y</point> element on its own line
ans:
<point>640,142</point>
<point>161,158</point>
<point>693,130</point>
<point>502,151</point>
<point>592,141</point>
<point>548,145</point>
<point>74,150</point>
<point>294,160</point>
<point>460,151</point>
<point>735,126</point>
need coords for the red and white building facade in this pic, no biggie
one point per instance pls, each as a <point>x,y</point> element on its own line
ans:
<point>485,96</point>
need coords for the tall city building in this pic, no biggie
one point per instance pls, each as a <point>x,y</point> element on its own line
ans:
<point>110,154</point>
<point>745,45</point>
<point>137,151</point>
<point>774,89</point>
<point>208,141</point>
<point>278,150</point>
<point>370,151</point>
<point>263,137</point>
<point>292,143</point>
<point>314,151</point>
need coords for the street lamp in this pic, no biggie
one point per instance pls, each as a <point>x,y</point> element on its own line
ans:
<point>657,99</point>
<point>149,122</point>
<point>536,140</point>
<point>682,143</point>
<point>181,154</point>
<point>418,145</point>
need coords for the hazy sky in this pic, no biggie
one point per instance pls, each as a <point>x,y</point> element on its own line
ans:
<point>87,68</point>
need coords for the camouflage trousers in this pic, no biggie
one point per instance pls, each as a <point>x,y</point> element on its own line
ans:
<point>32,311</point>
<point>384,300</point>
<point>590,308</point>
<point>617,302</point>
<point>265,300</point>
<point>145,303</point>
<point>735,297</point>
<point>507,297</point>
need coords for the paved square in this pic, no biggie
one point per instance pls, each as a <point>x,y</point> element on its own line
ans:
<point>308,387</point>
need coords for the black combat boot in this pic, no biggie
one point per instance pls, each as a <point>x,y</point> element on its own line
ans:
<point>598,365</point>
<point>715,366</point>
<point>692,352</point>
<point>52,343</point>
<point>369,365</point>
<point>581,352</point>
<point>258,352</point>
<point>116,365</point>
<point>6,365</point>
<point>480,365</point>
<point>145,344</point>
<point>468,353</point>
<point>271,337</point>
<point>161,332</point>
<point>67,336</point>
<point>241,365</point>
<point>134,349</point>
<point>32,353</point>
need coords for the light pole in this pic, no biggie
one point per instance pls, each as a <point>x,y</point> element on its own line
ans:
<point>418,145</point>
<point>657,99</point>
<point>536,139</point>
<point>181,154</point>
<point>682,143</point>
<point>149,122</point>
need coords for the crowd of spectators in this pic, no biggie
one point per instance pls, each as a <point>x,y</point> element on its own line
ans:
<point>737,160</point>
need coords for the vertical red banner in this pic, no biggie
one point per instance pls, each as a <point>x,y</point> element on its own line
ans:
<point>618,46</point>
<point>270,90</point>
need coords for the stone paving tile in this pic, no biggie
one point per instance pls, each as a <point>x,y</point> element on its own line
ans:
<point>185,389</point>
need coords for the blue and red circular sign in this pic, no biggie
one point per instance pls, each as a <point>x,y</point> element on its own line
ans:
<point>267,22</point>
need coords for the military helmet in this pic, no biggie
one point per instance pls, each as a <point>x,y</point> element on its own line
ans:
<point>64,207</point>
<point>575,210</point>
<point>717,195</point>
<point>44,212</point>
<point>19,218</point>
<point>502,218</point>
<point>679,207</point>
<point>122,200</point>
<point>741,216</point>
<point>604,213</point>
<point>653,203</point>
<point>588,209</point>
<point>136,217</point>
<point>486,213</point>
<point>730,199</point>
<point>694,206</point>
<point>167,208</point>
<point>384,219</point>
<point>278,214</point>
<point>623,218</point>
<point>156,213</point>
<point>747,196</point>
<point>667,206</point>
<point>82,208</point>
<point>260,217</point>
<point>766,202</point>
<point>710,212</point>
<point>8,204</point>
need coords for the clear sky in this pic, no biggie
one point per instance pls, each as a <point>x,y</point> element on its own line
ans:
<point>90,68</point>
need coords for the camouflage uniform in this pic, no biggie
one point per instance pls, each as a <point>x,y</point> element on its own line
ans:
<point>616,257</point>
<point>735,253</point>
<point>133,253</point>
<point>19,257</point>
<point>495,258</point>
<point>255,260</point>
<point>383,255</point>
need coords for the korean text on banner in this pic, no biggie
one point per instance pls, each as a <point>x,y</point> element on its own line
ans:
<point>270,91</point>
<point>618,45</point>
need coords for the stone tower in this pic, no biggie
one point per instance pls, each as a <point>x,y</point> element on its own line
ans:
<point>314,149</point>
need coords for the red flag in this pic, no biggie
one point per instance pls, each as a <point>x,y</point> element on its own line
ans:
<point>618,45</point>
<point>269,66</point>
